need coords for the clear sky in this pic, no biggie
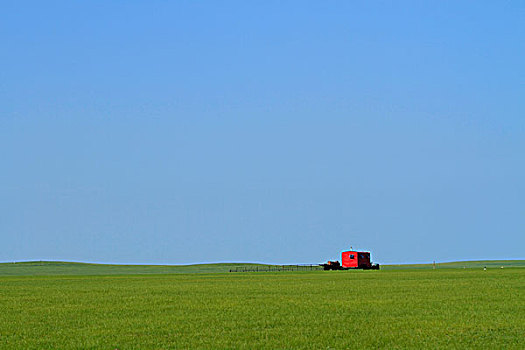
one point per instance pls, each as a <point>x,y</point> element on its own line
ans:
<point>272,131</point>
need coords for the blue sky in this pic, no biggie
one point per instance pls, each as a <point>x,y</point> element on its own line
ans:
<point>282,132</point>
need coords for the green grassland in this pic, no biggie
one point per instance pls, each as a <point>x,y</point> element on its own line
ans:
<point>460,265</point>
<point>53,268</point>
<point>392,308</point>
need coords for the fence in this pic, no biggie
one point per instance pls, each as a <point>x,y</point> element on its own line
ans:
<point>272,268</point>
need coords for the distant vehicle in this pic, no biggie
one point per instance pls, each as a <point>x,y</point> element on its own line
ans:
<point>351,260</point>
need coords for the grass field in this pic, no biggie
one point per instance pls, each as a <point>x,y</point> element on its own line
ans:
<point>403,308</point>
<point>460,265</point>
<point>54,268</point>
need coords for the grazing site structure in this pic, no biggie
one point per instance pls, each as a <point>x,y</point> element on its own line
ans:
<point>352,260</point>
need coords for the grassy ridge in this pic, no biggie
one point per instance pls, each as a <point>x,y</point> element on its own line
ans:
<point>51,268</point>
<point>460,265</point>
<point>388,309</point>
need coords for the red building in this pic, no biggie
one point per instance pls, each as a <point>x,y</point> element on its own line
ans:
<point>353,259</point>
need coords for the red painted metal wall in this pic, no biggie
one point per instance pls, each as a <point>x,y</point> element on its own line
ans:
<point>351,259</point>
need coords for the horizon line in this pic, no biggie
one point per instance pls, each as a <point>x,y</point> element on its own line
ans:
<point>239,262</point>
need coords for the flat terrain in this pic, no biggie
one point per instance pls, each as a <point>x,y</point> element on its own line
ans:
<point>397,308</point>
<point>459,265</point>
<point>54,268</point>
